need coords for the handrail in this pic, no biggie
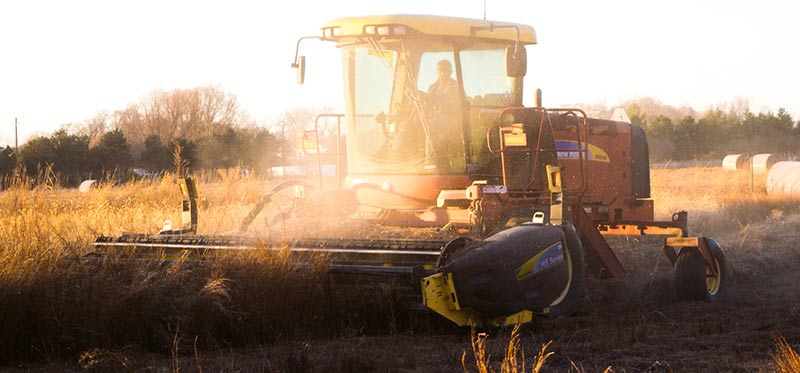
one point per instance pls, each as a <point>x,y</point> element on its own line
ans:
<point>339,154</point>
<point>581,140</point>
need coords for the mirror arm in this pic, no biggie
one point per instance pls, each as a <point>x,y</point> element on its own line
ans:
<point>299,62</point>
<point>297,49</point>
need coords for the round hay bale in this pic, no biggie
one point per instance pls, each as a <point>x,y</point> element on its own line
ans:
<point>784,178</point>
<point>733,162</point>
<point>86,185</point>
<point>763,162</point>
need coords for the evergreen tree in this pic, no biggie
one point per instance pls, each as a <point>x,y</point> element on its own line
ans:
<point>112,155</point>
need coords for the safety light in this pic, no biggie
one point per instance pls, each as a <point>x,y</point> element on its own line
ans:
<point>331,32</point>
<point>385,30</point>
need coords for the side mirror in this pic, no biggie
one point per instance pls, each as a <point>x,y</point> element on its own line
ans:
<point>300,65</point>
<point>516,61</point>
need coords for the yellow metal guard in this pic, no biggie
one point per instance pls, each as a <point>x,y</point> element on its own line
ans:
<point>439,295</point>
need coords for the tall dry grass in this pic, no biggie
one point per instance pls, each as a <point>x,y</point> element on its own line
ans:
<point>717,200</point>
<point>53,305</point>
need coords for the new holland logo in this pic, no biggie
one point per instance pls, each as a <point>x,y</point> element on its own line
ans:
<point>569,150</point>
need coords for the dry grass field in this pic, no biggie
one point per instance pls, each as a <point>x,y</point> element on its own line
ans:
<point>253,312</point>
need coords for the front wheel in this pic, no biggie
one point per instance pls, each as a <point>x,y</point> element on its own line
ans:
<point>695,280</point>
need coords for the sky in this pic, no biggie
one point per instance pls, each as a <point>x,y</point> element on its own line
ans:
<point>66,61</point>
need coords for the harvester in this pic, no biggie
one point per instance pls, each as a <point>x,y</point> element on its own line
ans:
<point>435,137</point>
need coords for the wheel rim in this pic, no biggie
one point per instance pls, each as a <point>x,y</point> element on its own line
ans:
<point>713,281</point>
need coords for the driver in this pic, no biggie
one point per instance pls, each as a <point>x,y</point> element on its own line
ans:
<point>444,91</point>
<point>445,120</point>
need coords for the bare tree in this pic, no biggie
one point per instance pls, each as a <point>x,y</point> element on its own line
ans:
<point>293,121</point>
<point>95,127</point>
<point>131,122</point>
<point>292,124</point>
<point>188,114</point>
<point>297,120</point>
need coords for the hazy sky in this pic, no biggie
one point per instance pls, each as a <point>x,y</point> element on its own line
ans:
<point>65,61</point>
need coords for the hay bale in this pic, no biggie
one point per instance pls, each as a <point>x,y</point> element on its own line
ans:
<point>86,185</point>
<point>784,178</point>
<point>733,162</point>
<point>763,162</point>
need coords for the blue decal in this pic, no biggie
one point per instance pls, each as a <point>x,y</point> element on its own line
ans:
<point>550,257</point>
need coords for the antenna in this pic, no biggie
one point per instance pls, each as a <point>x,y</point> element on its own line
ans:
<point>484,10</point>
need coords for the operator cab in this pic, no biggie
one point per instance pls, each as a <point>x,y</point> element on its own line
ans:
<point>421,92</point>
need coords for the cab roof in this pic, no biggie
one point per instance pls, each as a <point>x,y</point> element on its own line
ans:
<point>430,25</point>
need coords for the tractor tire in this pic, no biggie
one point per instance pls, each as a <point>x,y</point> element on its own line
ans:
<point>567,303</point>
<point>694,280</point>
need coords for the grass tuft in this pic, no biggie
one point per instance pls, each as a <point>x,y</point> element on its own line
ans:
<point>513,358</point>
<point>785,358</point>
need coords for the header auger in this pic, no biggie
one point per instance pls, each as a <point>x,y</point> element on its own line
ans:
<point>437,137</point>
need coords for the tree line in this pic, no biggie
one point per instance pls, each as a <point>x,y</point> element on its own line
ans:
<point>718,133</point>
<point>681,133</point>
<point>203,129</point>
<point>69,157</point>
<point>200,128</point>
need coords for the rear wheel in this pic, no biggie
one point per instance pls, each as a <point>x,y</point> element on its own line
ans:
<point>695,280</point>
